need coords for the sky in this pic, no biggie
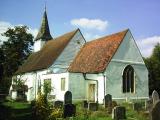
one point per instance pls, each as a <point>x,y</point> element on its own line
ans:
<point>95,18</point>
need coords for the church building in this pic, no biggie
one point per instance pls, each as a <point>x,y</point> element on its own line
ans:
<point>111,64</point>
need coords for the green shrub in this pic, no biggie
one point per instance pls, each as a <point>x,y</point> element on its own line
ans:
<point>55,113</point>
<point>41,109</point>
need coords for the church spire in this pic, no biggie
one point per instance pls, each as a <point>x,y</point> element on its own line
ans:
<point>44,32</point>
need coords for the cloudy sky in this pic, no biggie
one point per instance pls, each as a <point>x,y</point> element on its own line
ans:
<point>95,18</point>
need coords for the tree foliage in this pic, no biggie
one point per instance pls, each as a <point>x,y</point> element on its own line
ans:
<point>14,51</point>
<point>153,65</point>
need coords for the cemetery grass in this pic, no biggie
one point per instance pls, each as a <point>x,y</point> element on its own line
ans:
<point>22,111</point>
<point>12,110</point>
<point>101,114</point>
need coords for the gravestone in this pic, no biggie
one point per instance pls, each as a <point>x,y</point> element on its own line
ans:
<point>108,100</point>
<point>68,98</point>
<point>137,106</point>
<point>119,113</point>
<point>155,96</point>
<point>93,106</point>
<point>155,115</point>
<point>108,103</point>
<point>149,104</point>
<point>69,110</point>
<point>58,104</point>
<point>85,104</point>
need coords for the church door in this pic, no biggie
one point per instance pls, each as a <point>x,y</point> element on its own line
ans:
<point>91,92</point>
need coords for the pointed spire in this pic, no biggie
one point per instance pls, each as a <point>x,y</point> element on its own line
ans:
<point>44,32</point>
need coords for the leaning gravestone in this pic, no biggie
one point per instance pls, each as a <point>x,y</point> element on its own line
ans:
<point>155,96</point>
<point>58,104</point>
<point>68,98</point>
<point>156,111</point>
<point>69,110</point>
<point>119,113</point>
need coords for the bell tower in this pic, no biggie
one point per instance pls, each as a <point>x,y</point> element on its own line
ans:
<point>44,33</point>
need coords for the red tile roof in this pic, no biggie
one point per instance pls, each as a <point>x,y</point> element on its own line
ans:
<point>96,55</point>
<point>47,55</point>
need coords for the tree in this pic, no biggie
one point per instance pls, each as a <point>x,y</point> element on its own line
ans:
<point>15,50</point>
<point>153,65</point>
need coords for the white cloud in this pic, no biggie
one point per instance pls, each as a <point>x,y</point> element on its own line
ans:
<point>146,45</point>
<point>90,36</point>
<point>90,23</point>
<point>5,25</point>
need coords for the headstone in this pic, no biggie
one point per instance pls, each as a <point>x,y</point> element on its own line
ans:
<point>58,104</point>
<point>85,104</point>
<point>93,106</point>
<point>149,104</point>
<point>156,111</point>
<point>155,96</point>
<point>119,113</point>
<point>69,110</point>
<point>137,106</point>
<point>108,100</point>
<point>68,98</point>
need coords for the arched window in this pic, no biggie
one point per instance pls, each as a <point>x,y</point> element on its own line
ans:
<point>128,79</point>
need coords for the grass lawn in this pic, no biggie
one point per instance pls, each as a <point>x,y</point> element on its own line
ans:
<point>22,111</point>
<point>17,105</point>
<point>101,114</point>
<point>15,111</point>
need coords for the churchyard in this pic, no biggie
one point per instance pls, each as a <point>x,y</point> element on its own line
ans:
<point>82,110</point>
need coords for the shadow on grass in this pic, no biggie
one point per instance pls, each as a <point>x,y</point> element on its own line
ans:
<point>15,111</point>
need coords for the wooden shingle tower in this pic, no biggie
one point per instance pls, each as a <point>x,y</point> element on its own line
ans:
<point>44,33</point>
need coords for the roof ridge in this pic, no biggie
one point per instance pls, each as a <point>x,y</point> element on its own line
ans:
<point>126,30</point>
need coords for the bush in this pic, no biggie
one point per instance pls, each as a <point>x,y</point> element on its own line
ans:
<point>41,109</point>
<point>56,113</point>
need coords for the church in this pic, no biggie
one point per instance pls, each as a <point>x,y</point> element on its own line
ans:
<point>111,64</point>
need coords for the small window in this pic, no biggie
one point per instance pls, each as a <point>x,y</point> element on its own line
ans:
<point>62,84</point>
<point>47,86</point>
<point>128,79</point>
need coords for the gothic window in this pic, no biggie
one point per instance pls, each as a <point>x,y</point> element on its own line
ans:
<point>128,79</point>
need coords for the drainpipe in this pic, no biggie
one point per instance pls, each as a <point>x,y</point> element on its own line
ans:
<point>35,85</point>
<point>84,75</point>
<point>104,78</point>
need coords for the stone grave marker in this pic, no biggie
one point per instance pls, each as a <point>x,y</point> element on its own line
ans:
<point>68,98</point>
<point>137,106</point>
<point>155,114</point>
<point>58,104</point>
<point>108,103</point>
<point>119,113</point>
<point>155,96</point>
<point>85,104</point>
<point>93,106</point>
<point>108,100</point>
<point>69,110</point>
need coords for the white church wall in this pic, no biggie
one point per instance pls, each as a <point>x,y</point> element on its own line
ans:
<point>56,84</point>
<point>100,79</point>
<point>64,60</point>
<point>78,85</point>
<point>127,54</point>
<point>31,80</point>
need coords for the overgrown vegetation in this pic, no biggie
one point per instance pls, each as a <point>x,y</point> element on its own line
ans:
<point>42,111</point>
